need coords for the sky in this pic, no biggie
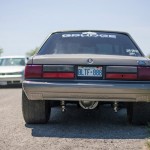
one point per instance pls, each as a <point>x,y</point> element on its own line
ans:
<point>24,25</point>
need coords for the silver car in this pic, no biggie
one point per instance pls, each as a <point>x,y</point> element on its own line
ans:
<point>12,69</point>
<point>87,68</point>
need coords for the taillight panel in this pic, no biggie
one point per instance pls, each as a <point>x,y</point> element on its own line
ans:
<point>143,73</point>
<point>121,72</point>
<point>58,68</point>
<point>49,71</point>
<point>121,76</point>
<point>56,75</point>
<point>68,72</point>
<point>33,71</point>
<point>139,73</point>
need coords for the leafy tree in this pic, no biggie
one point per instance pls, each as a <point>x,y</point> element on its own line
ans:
<point>148,56</point>
<point>32,52</point>
<point>1,51</point>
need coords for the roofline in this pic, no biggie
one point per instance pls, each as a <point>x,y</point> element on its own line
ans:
<point>110,31</point>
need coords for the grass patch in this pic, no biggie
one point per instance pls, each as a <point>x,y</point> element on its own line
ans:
<point>148,144</point>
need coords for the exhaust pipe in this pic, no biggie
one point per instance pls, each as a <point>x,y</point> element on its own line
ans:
<point>88,104</point>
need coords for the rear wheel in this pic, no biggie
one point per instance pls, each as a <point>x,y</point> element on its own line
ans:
<point>138,113</point>
<point>37,111</point>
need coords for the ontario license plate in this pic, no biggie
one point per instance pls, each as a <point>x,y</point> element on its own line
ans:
<point>89,71</point>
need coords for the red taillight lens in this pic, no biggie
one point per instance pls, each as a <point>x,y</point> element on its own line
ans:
<point>143,73</point>
<point>33,71</point>
<point>121,76</point>
<point>63,75</point>
<point>47,72</point>
<point>58,71</point>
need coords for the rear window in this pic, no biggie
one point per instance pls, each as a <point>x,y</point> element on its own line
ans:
<point>89,43</point>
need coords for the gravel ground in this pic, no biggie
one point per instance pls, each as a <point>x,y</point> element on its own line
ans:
<point>76,129</point>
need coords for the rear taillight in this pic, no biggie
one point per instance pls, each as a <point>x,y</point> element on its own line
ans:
<point>58,68</point>
<point>143,73</point>
<point>121,72</point>
<point>58,71</point>
<point>121,76</point>
<point>33,71</point>
<point>49,71</point>
<point>56,75</point>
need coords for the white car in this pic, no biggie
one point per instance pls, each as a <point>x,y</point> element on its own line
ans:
<point>12,69</point>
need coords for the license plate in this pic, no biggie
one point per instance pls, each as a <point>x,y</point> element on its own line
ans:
<point>3,83</point>
<point>89,71</point>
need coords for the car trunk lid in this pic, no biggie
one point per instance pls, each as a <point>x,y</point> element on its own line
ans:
<point>83,59</point>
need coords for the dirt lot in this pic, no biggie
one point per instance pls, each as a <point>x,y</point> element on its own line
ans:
<point>75,129</point>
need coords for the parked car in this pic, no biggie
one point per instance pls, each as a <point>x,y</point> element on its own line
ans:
<point>87,68</point>
<point>12,69</point>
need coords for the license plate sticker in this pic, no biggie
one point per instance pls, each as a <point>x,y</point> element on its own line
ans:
<point>89,71</point>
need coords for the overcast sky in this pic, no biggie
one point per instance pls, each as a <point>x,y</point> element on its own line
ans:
<point>25,24</point>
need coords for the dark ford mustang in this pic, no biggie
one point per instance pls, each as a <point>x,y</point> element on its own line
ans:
<point>87,68</point>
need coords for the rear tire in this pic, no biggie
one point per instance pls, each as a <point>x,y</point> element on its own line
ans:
<point>138,113</point>
<point>36,111</point>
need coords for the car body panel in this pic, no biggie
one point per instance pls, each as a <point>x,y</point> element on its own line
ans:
<point>83,58</point>
<point>90,89</point>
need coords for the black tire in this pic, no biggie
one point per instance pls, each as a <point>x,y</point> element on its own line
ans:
<point>36,111</point>
<point>138,113</point>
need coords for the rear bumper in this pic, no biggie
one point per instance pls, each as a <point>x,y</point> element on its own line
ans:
<point>76,91</point>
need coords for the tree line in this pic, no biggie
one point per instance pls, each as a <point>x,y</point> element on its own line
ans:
<point>1,51</point>
<point>29,53</point>
<point>32,51</point>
